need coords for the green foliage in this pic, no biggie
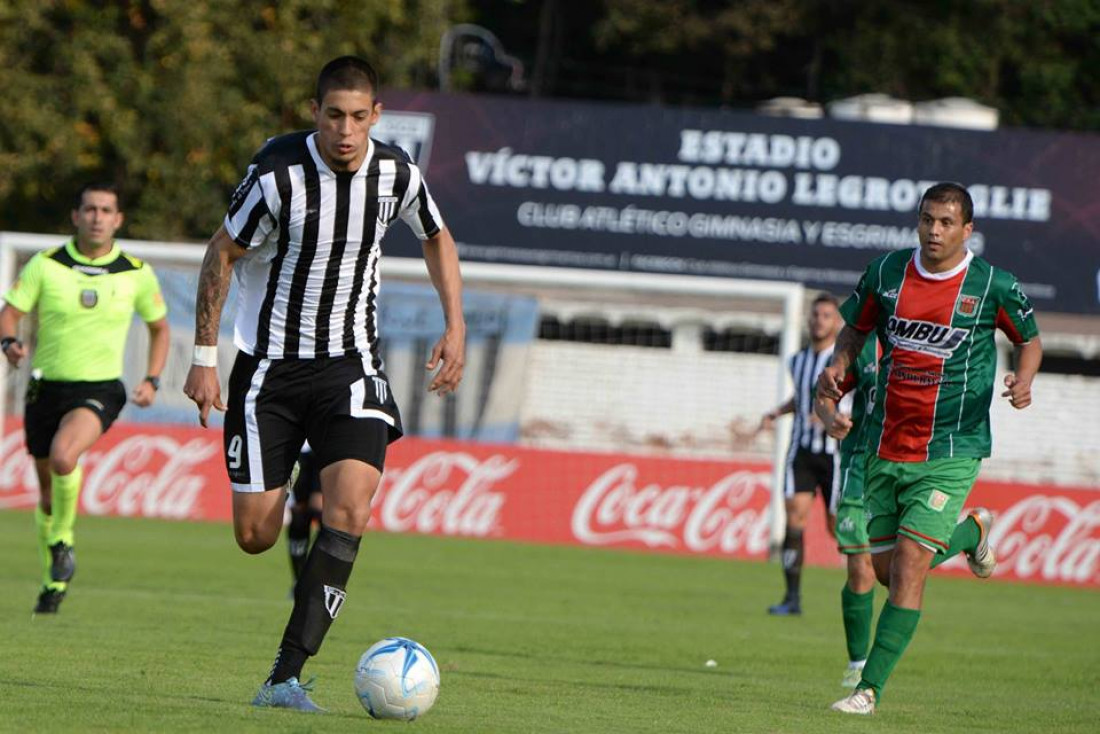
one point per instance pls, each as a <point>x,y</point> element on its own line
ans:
<point>169,627</point>
<point>170,98</point>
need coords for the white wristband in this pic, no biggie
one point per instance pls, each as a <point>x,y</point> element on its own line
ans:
<point>205,356</point>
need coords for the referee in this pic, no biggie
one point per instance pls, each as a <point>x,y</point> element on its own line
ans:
<point>812,459</point>
<point>85,293</point>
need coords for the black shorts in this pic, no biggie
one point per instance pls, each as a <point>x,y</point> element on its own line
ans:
<point>309,478</point>
<point>342,406</point>
<point>47,402</point>
<point>808,471</point>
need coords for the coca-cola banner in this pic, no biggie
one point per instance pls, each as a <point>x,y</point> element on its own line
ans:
<point>731,194</point>
<point>717,508</point>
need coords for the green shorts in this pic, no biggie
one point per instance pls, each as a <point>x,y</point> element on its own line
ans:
<point>921,500</point>
<point>851,516</point>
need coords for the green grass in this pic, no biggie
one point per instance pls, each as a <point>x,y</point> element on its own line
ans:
<point>169,627</point>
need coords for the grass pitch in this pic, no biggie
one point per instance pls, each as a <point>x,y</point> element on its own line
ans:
<point>168,627</point>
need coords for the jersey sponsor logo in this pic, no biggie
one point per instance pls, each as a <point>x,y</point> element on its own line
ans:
<point>412,132</point>
<point>847,526</point>
<point>89,298</point>
<point>334,600</point>
<point>967,305</point>
<point>916,377</point>
<point>890,295</point>
<point>1025,311</point>
<point>387,209</point>
<point>90,269</point>
<point>925,337</point>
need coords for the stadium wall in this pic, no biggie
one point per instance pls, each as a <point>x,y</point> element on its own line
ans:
<point>1045,534</point>
<point>708,404</point>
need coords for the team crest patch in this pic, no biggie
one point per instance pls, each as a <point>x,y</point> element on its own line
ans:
<point>968,305</point>
<point>937,500</point>
<point>387,209</point>
<point>89,298</point>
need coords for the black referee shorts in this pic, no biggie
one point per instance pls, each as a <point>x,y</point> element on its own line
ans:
<point>342,406</point>
<point>48,401</point>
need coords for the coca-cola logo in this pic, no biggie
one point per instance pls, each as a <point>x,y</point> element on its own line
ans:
<point>448,492</point>
<point>1051,537</point>
<point>150,475</point>
<point>729,516</point>
<point>18,479</point>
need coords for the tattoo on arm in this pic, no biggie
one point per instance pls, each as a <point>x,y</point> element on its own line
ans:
<point>848,346</point>
<point>213,287</point>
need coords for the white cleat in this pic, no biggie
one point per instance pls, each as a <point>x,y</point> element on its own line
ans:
<point>853,675</point>
<point>982,562</point>
<point>861,702</point>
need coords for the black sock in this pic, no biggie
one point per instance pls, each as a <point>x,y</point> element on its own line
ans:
<point>317,600</point>
<point>297,540</point>
<point>792,563</point>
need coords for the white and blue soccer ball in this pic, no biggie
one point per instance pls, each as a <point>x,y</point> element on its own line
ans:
<point>397,678</point>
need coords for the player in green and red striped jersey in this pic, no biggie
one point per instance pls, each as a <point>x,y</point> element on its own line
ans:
<point>935,312</point>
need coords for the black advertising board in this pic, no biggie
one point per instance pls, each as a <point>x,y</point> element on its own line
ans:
<point>710,192</point>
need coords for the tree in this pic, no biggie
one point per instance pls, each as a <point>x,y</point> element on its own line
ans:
<point>169,98</point>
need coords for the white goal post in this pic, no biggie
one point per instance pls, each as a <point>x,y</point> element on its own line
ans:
<point>642,287</point>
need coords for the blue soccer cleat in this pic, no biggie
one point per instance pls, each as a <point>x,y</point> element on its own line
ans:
<point>290,694</point>
<point>786,608</point>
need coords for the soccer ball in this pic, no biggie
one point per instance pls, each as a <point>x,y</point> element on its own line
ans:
<point>397,678</point>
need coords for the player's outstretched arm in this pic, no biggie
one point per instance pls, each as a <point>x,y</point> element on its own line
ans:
<point>1028,358</point>
<point>202,384</point>
<point>772,416</point>
<point>14,351</point>
<point>441,255</point>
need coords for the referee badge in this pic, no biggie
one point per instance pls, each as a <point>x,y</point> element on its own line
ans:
<point>89,298</point>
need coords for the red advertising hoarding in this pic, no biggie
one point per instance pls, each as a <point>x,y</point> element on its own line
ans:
<point>1043,534</point>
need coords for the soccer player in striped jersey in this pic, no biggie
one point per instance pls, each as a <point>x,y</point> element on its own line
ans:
<point>303,233</point>
<point>84,294</point>
<point>812,460</point>
<point>935,311</point>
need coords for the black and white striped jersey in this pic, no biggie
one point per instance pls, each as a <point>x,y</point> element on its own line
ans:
<point>309,281</point>
<point>808,432</point>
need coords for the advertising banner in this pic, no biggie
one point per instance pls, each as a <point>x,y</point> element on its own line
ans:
<point>1043,534</point>
<point>712,192</point>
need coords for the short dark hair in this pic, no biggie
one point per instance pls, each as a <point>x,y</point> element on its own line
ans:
<point>825,297</point>
<point>347,72</point>
<point>97,186</point>
<point>947,192</point>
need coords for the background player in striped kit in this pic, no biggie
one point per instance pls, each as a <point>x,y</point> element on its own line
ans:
<point>84,294</point>
<point>812,458</point>
<point>935,311</point>
<point>303,234</point>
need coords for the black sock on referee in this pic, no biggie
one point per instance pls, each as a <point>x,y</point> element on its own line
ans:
<point>792,563</point>
<point>317,600</point>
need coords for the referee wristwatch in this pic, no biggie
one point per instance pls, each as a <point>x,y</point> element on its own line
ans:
<point>154,381</point>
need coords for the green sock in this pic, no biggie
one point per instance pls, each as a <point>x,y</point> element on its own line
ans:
<point>65,491</point>
<point>857,610</point>
<point>895,629</point>
<point>965,537</point>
